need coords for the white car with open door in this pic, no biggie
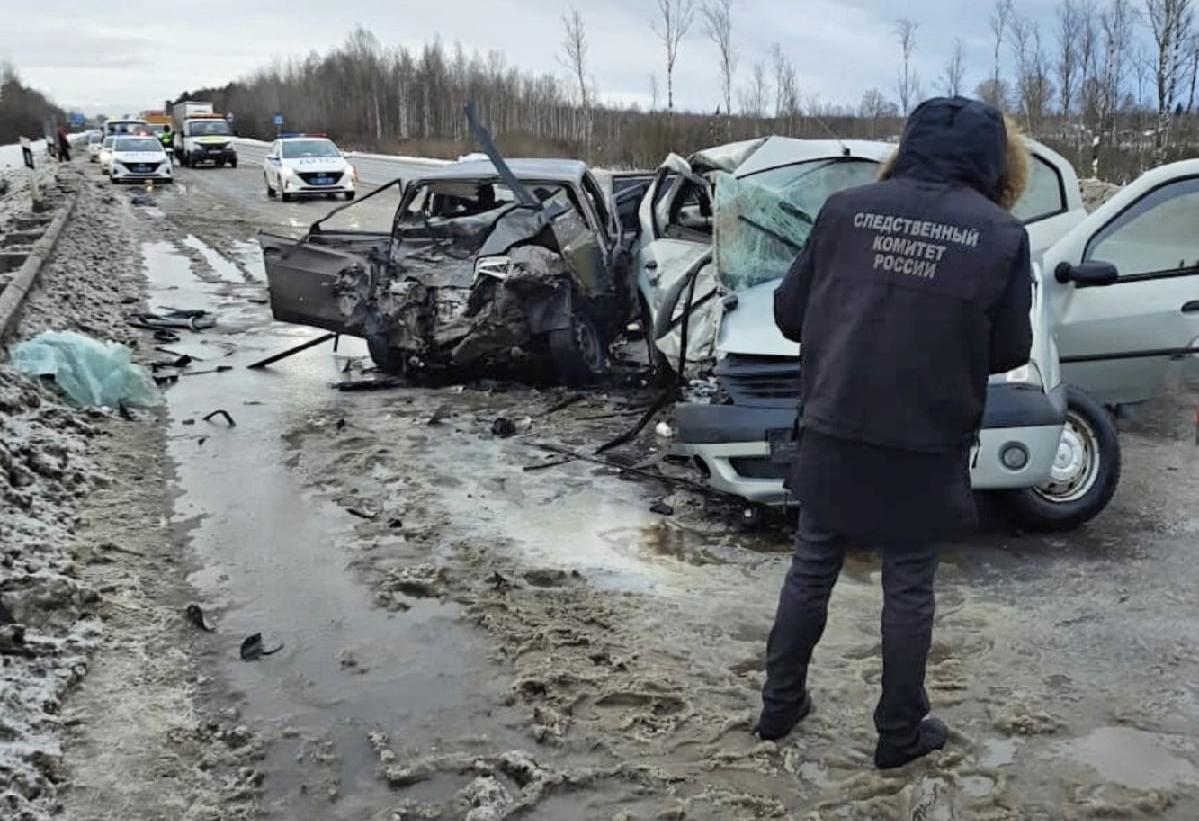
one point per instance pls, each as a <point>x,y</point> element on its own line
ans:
<point>1122,291</point>
<point>1049,450</point>
<point>307,166</point>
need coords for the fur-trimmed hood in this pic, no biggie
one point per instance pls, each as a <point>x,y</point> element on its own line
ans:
<point>954,139</point>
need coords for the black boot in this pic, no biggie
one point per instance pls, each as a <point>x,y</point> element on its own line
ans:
<point>931,735</point>
<point>774,724</point>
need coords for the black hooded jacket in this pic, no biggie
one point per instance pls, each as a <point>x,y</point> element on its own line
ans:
<point>911,291</point>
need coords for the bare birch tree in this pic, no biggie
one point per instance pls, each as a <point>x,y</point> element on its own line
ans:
<point>1115,23</point>
<point>1171,23</point>
<point>1069,27</point>
<point>574,51</point>
<point>1032,70</point>
<point>1194,72</point>
<point>998,23</point>
<point>786,90</point>
<point>674,20</point>
<point>653,91</point>
<point>718,23</point>
<point>955,69</point>
<point>755,96</point>
<point>908,82</point>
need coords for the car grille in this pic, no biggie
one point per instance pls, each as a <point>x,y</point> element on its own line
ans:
<point>758,467</point>
<point>140,167</point>
<point>763,381</point>
<point>215,146</point>
<point>321,177</point>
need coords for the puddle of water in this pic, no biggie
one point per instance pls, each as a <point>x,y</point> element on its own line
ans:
<point>1133,758</point>
<point>977,786</point>
<point>249,255</point>
<point>224,268</point>
<point>270,561</point>
<point>999,752</point>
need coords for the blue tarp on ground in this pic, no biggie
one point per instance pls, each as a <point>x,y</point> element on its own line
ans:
<point>90,372</point>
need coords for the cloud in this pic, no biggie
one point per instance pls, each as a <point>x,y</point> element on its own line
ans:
<point>135,54</point>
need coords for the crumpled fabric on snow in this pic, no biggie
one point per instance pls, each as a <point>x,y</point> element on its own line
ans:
<point>91,373</point>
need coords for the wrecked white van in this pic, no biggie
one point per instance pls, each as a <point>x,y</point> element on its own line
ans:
<point>1116,303</point>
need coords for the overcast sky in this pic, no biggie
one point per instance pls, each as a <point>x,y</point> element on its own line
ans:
<point>124,57</point>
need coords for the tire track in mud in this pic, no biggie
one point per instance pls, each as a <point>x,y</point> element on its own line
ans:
<point>671,680</point>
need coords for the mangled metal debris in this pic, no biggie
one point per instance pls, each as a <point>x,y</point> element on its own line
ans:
<point>488,264</point>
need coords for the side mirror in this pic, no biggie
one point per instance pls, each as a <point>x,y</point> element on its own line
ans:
<point>1087,274</point>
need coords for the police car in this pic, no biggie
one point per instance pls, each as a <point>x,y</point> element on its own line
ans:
<point>304,165</point>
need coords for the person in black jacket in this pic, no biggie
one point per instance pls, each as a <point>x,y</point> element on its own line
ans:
<point>908,294</point>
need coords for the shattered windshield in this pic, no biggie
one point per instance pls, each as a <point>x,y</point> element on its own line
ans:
<point>763,220</point>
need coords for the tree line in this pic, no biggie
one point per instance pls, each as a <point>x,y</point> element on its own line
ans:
<point>22,109</point>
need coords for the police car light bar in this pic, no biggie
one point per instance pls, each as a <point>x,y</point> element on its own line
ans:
<point>290,135</point>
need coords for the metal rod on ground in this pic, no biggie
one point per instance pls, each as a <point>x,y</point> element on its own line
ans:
<point>311,343</point>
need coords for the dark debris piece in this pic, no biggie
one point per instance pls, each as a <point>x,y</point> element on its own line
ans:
<point>661,508</point>
<point>221,412</point>
<point>196,616</point>
<point>503,427</point>
<point>253,649</point>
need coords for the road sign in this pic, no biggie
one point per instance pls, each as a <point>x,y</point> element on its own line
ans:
<point>35,191</point>
<point>278,120</point>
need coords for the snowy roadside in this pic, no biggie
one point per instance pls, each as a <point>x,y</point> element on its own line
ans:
<point>82,572</point>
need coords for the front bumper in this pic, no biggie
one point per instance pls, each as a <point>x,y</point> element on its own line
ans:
<point>123,174</point>
<point>298,187</point>
<point>204,154</point>
<point>728,442</point>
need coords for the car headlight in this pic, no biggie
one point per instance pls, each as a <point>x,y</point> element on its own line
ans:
<point>496,267</point>
<point>1028,374</point>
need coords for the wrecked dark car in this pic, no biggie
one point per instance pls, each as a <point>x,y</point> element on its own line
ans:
<point>515,268</point>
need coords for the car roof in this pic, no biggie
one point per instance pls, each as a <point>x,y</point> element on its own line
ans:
<point>526,168</point>
<point>779,151</point>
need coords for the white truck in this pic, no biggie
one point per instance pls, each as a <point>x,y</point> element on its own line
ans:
<point>202,135</point>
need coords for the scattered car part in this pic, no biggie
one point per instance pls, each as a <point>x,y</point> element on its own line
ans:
<point>220,412</point>
<point>253,649</point>
<point>303,346</point>
<point>195,615</point>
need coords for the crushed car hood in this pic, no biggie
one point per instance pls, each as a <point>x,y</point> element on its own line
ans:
<point>748,325</point>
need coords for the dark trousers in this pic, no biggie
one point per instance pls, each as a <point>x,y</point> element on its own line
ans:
<point>907,625</point>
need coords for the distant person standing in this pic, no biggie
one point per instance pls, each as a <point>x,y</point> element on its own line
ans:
<point>908,293</point>
<point>64,144</point>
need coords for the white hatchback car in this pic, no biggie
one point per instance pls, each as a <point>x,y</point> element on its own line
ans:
<point>95,140</point>
<point>104,154</point>
<point>1116,304</point>
<point>307,166</point>
<point>137,159</point>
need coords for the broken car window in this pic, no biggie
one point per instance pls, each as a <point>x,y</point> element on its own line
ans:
<point>763,220</point>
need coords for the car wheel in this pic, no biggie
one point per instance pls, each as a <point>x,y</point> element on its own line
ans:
<point>1086,471</point>
<point>233,163</point>
<point>349,195</point>
<point>286,197</point>
<point>270,192</point>
<point>579,353</point>
<point>385,357</point>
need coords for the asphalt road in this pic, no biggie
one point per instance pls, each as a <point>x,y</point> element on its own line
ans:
<point>1066,663</point>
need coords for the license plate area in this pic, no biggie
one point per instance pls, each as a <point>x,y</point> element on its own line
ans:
<point>782,444</point>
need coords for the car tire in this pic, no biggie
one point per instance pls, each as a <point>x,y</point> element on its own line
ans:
<point>1086,471</point>
<point>233,163</point>
<point>270,192</point>
<point>286,197</point>
<point>579,352</point>
<point>386,358</point>
<point>349,195</point>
